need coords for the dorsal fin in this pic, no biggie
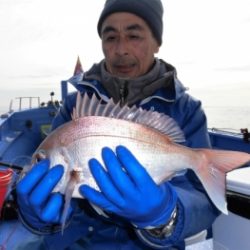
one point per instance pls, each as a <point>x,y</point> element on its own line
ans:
<point>92,106</point>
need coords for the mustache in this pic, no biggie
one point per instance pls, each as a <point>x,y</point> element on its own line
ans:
<point>122,61</point>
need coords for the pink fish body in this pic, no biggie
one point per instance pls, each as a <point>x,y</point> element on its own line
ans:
<point>152,137</point>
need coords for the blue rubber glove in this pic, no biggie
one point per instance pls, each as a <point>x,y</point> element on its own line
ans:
<point>37,204</point>
<point>127,190</point>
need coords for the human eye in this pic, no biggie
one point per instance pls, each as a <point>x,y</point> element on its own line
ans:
<point>135,37</point>
<point>109,38</point>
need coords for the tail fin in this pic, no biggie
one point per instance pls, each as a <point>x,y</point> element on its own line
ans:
<point>213,174</point>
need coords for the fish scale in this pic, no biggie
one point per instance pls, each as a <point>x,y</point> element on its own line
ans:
<point>154,138</point>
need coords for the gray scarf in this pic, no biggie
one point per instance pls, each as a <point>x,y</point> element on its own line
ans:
<point>128,90</point>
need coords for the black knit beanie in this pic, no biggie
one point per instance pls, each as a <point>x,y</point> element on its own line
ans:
<point>151,11</point>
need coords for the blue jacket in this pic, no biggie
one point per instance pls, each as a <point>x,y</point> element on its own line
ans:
<point>89,230</point>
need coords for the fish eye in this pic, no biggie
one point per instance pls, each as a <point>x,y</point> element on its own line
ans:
<point>40,155</point>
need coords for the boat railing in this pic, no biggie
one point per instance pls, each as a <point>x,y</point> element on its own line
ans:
<point>28,100</point>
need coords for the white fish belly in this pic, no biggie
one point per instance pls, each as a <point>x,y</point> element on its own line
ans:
<point>159,163</point>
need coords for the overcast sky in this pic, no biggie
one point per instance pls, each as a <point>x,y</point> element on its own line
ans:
<point>207,40</point>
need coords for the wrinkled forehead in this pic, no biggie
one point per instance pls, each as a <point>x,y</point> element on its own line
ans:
<point>123,22</point>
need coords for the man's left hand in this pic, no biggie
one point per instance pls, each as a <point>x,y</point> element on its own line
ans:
<point>127,190</point>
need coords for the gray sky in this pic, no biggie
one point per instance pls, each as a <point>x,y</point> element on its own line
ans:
<point>206,40</point>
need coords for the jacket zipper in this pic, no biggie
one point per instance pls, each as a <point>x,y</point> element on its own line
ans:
<point>123,91</point>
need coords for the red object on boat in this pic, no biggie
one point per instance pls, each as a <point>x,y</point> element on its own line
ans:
<point>78,68</point>
<point>5,181</point>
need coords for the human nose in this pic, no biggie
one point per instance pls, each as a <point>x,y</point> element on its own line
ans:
<point>122,47</point>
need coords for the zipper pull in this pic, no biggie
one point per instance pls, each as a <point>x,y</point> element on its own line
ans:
<point>123,91</point>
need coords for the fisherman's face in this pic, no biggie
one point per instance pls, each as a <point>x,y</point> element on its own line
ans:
<point>128,45</point>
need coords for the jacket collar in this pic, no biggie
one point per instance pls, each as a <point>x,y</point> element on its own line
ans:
<point>165,87</point>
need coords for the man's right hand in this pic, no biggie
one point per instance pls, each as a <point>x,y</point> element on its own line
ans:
<point>37,204</point>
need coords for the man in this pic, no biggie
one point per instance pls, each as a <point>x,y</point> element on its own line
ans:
<point>131,215</point>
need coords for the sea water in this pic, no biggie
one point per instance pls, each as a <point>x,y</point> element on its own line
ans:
<point>227,109</point>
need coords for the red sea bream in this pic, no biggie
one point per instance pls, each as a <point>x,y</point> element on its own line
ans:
<point>154,139</point>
